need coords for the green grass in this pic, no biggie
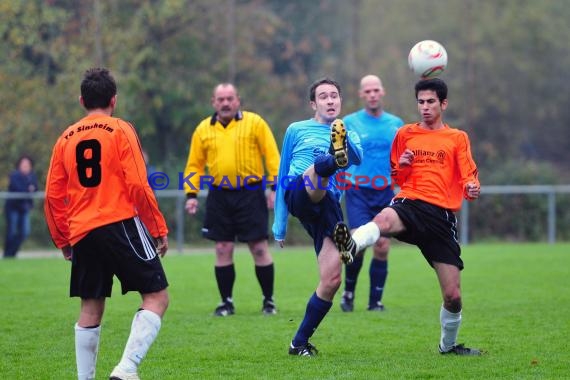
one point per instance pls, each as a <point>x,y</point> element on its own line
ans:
<point>516,307</point>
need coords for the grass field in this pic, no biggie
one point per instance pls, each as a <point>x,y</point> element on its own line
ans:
<point>516,307</point>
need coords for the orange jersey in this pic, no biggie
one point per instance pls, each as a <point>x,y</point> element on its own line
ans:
<point>97,176</point>
<point>441,168</point>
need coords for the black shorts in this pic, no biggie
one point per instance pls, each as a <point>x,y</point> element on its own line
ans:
<point>124,249</point>
<point>236,214</point>
<point>433,229</point>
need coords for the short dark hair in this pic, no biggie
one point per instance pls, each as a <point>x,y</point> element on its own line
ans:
<point>434,84</point>
<point>318,82</point>
<point>97,88</point>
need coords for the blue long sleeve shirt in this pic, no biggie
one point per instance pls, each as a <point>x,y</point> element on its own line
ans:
<point>21,183</point>
<point>303,141</point>
<point>376,135</point>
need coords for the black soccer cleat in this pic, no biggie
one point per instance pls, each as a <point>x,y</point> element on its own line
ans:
<point>460,349</point>
<point>378,306</point>
<point>268,307</point>
<point>347,302</point>
<point>339,146</point>
<point>305,350</point>
<point>345,245</point>
<point>224,309</point>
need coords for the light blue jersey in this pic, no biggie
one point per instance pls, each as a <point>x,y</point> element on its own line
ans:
<point>303,141</point>
<point>376,136</point>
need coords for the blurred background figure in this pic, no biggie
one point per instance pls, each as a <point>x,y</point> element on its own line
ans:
<point>17,210</point>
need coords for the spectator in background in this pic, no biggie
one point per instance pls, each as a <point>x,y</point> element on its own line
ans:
<point>150,170</point>
<point>17,210</point>
<point>149,167</point>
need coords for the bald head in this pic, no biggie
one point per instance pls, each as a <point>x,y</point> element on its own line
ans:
<point>371,92</point>
<point>369,80</point>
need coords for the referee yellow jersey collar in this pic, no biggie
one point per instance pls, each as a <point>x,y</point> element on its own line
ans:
<point>214,118</point>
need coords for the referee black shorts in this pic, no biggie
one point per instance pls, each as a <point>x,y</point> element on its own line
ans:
<point>236,214</point>
<point>432,228</point>
<point>124,249</point>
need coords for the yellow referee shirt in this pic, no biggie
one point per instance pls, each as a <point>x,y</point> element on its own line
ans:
<point>233,155</point>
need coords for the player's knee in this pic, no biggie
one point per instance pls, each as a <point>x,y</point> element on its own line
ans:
<point>260,252</point>
<point>224,250</point>
<point>385,220</point>
<point>156,302</point>
<point>452,301</point>
<point>334,282</point>
<point>381,249</point>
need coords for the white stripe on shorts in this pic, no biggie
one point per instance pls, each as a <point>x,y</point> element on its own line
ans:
<point>149,251</point>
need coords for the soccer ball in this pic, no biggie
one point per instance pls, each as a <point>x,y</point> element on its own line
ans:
<point>427,59</point>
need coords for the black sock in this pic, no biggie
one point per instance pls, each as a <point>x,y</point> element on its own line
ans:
<point>265,276</point>
<point>325,165</point>
<point>225,276</point>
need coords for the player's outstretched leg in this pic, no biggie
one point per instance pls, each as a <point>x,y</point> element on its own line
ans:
<point>338,146</point>
<point>344,243</point>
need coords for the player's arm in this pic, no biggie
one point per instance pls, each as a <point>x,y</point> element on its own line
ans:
<point>467,168</point>
<point>401,159</point>
<point>134,169</point>
<point>281,214</point>
<point>55,205</point>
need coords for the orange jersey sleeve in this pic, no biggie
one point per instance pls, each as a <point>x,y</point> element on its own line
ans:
<point>97,176</point>
<point>442,165</point>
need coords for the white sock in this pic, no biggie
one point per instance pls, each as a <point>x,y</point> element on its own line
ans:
<point>144,330</point>
<point>366,235</point>
<point>450,323</point>
<point>86,347</point>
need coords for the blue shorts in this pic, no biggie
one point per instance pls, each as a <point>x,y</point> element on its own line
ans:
<point>318,219</point>
<point>363,204</point>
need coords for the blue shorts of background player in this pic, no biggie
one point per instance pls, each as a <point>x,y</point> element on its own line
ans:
<point>362,204</point>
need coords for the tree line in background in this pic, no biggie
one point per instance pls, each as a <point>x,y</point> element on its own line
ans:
<point>507,72</point>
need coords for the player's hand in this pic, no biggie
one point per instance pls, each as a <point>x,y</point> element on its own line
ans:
<point>67,252</point>
<point>406,158</point>
<point>162,245</point>
<point>191,206</point>
<point>472,190</point>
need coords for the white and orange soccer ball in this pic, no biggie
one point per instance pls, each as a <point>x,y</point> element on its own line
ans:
<point>427,59</point>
